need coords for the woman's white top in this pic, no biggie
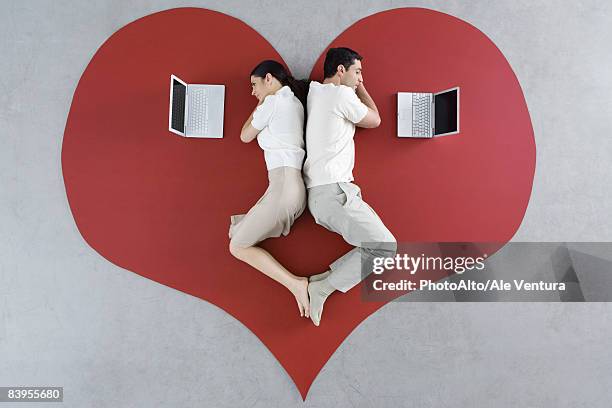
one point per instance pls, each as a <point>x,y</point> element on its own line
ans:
<point>280,119</point>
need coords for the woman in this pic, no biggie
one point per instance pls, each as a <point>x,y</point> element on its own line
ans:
<point>278,124</point>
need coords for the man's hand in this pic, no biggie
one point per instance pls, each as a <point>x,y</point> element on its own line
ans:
<point>361,90</point>
<point>372,118</point>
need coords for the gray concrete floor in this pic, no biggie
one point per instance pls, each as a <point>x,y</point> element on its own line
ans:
<point>70,318</point>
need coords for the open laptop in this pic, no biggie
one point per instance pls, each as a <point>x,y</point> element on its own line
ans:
<point>426,115</point>
<point>196,110</point>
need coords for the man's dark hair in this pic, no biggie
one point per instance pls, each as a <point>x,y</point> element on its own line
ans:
<point>339,56</point>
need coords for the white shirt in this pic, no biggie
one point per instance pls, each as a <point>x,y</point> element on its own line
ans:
<point>333,111</point>
<point>280,118</point>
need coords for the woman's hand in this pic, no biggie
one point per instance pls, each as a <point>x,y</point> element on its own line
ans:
<point>248,132</point>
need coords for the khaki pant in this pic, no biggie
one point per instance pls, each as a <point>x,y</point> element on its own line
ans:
<point>282,203</point>
<point>340,208</point>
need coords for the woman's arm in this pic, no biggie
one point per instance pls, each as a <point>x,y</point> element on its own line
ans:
<point>248,132</point>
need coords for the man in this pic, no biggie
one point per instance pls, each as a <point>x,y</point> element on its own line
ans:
<point>335,107</point>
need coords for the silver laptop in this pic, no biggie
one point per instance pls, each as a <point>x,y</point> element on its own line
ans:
<point>426,115</point>
<point>196,110</point>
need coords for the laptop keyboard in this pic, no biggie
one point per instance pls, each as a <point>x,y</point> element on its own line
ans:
<point>198,111</point>
<point>421,114</point>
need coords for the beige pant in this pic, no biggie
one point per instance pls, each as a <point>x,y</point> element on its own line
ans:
<point>340,208</point>
<point>274,213</point>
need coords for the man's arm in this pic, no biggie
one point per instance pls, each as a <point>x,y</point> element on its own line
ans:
<point>372,118</point>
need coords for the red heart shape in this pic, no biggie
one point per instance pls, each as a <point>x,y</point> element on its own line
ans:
<point>159,205</point>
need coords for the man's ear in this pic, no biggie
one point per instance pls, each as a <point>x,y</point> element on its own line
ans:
<point>341,70</point>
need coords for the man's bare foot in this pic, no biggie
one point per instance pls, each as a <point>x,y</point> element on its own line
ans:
<point>300,291</point>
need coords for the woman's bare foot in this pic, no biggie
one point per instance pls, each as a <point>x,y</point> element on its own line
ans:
<point>300,291</point>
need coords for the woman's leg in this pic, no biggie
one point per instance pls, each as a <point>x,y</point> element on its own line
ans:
<point>261,260</point>
<point>272,216</point>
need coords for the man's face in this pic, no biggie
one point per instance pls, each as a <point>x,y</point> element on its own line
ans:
<point>352,76</point>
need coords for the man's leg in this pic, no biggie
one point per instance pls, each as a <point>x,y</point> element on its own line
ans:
<point>340,208</point>
<point>360,226</point>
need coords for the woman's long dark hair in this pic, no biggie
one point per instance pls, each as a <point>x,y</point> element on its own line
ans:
<point>299,87</point>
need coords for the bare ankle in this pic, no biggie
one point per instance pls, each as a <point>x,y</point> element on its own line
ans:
<point>297,285</point>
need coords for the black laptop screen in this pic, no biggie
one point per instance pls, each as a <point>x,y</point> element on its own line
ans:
<point>446,112</point>
<point>179,92</point>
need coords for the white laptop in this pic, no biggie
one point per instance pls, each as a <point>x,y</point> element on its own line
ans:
<point>196,110</point>
<point>426,115</point>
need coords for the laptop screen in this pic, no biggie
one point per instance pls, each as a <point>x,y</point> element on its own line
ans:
<point>179,92</point>
<point>446,112</point>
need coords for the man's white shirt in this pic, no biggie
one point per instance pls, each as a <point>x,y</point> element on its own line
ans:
<point>333,111</point>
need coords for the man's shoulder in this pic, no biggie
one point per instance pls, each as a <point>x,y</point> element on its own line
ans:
<point>346,91</point>
<point>329,92</point>
<point>317,88</point>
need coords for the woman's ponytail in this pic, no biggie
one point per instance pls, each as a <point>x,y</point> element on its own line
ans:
<point>299,87</point>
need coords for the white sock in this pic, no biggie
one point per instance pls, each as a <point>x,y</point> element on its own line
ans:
<point>318,292</point>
